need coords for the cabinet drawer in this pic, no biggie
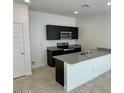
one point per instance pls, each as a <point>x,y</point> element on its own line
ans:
<point>55,53</point>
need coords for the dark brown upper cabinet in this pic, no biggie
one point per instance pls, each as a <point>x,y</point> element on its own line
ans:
<point>74,32</point>
<point>53,31</point>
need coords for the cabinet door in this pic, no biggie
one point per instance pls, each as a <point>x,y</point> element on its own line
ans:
<point>74,33</point>
<point>59,65</point>
<point>50,59</point>
<point>53,32</point>
<point>48,32</point>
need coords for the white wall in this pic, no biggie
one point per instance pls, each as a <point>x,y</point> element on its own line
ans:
<point>21,16</point>
<point>37,21</point>
<point>95,30</point>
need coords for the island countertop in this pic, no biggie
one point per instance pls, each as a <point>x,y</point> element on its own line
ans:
<point>74,58</point>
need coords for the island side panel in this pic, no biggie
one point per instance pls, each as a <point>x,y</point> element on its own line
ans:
<point>59,71</point>
<point>80,73</point>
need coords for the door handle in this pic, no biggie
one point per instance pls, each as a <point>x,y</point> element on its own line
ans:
<point>22,53</point>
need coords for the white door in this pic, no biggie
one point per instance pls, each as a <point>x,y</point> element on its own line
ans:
<point>18,51</point>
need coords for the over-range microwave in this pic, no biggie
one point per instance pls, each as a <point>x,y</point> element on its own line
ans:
<point>65,35</point>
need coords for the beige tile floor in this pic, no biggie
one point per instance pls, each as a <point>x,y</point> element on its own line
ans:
<point>43,81</point>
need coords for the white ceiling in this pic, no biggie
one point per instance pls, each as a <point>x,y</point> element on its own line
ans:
<point>67,7</point>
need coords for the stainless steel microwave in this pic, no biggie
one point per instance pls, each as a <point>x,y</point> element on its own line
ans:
<point>65,35</point>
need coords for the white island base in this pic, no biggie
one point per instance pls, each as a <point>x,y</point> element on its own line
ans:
<point>82,72</point>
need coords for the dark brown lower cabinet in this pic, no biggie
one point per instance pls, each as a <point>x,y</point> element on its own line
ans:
<point>50,59</point>
<point>51,53</point>
<point>59,71</point>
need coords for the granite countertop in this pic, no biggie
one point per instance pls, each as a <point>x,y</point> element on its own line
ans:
<point>79,57</point>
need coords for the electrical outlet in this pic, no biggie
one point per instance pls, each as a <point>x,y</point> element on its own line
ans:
<point>33,62</point>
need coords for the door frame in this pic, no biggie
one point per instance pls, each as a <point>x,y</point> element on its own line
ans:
<point>27,49</point>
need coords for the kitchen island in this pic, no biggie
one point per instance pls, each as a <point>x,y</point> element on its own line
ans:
<point>73,70</point>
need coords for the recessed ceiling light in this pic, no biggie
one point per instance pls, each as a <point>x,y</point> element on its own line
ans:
<point>109,3</point>
<point>85,5</point>
<point>76,12</point>
<point>27,1</point>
